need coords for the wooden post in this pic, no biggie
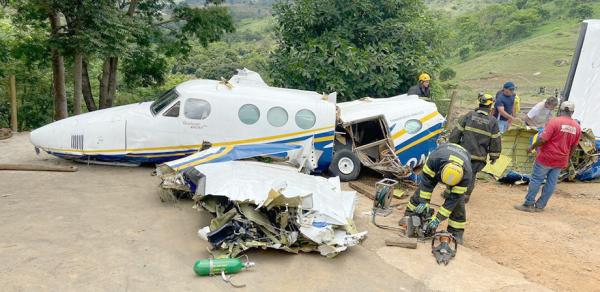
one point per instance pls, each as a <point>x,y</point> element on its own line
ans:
<point>450,109</point>
<point>13,103</point>
<point>401,242</point>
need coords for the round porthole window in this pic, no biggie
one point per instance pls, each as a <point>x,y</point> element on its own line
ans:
<point>277,116</point>
<point>249,114</point>
<point>305,119</point>
<point>413,126</point>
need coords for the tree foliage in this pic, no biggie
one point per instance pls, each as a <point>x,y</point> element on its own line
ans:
<point>91,38</point>
<point>358,48</point>
<point>495,25</point>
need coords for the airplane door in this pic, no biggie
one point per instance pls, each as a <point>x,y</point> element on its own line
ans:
<point>199,122</point>
<point>153,136</point>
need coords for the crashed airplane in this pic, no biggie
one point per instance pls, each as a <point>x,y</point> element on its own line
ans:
<point>390,135</point>
<point>582,88</point>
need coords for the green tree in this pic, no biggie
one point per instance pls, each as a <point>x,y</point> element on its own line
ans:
<point>113,30</point>
<point>582,11</point>
<point>447,74</point>
<point>358,47</point>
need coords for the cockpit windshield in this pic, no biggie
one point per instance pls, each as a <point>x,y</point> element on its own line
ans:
<point>164,100</point>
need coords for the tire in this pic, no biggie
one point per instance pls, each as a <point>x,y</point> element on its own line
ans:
<point>345,164</point>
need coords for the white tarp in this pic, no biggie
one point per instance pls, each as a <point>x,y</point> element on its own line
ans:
<point>585,89</point>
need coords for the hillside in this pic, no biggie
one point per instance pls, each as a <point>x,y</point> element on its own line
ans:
<point>458,7</point>
<point>531,64</point>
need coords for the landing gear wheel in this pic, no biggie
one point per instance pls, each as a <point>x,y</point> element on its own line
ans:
<point>345,164</point>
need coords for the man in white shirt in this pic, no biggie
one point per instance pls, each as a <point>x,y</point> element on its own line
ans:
<point>541,113</point>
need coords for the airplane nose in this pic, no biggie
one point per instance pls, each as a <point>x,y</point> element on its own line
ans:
<point>39,137</point>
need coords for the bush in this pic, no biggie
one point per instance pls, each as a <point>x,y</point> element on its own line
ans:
<point>582,11</point>
<point>447,74</point>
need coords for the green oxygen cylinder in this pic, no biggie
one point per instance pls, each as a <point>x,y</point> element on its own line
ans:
<point>214,267</point>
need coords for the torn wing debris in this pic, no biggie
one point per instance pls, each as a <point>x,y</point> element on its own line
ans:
<point>265,205</point>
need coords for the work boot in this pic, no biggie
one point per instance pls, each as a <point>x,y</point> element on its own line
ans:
<point>539,209</point>
<point>526,208</point>
<point>458,237</point>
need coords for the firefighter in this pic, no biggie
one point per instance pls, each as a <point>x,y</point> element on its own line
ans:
<point>478,132</point>
<point>421,89</point>
<point>450,165</point>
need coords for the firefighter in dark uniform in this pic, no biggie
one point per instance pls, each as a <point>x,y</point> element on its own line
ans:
<point>450,165</point>
<point>478,132</point>
<point>421,89</point>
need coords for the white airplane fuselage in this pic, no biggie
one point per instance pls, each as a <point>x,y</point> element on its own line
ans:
<point>200,111</point>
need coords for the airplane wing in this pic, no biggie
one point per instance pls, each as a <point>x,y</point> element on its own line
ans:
<point>301,155</point>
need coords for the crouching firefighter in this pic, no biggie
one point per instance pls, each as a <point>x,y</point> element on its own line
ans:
<point>450,165</point>
<point>478,132</point>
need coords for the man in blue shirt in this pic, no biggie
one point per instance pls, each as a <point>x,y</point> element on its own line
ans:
<point>505,106</point>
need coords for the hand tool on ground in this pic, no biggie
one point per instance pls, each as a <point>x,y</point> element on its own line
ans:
<point>443,252</point>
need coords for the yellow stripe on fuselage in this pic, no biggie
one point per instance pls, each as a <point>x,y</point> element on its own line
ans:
<point>419,141</point>
<point>206,159</point>
<point>423,120</point>
<point>328,138</point>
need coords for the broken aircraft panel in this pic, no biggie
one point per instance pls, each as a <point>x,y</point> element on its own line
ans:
<point>515,163</point>
<point>389,135</point>
<point>267,205</point>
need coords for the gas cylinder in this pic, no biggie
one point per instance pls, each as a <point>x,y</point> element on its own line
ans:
<point>212,267</point>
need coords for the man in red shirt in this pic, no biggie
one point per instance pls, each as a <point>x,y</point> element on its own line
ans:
<point>556,145</point>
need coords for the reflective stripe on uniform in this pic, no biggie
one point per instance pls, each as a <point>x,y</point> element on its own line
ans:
<point>455,224</point>
<point>463,148</point>
<point>494,155</point>
<point>444,212</point>
<point>483,112</point>
<point>459,127</point>
<point>478,131</point>
<point>459,190</point>
<point>428,171</point>
<point>496,135</point>
<point>410,206</point>
<point>456,159</point>
<point>425,195</point>
<point>477,157</point>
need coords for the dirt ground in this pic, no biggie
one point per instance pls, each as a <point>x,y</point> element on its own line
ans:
<point>557,248</point>
<point>103,228</point>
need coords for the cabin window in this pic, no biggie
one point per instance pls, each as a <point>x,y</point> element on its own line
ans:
<point>164,100</point>
<point>173,111</point>
<point>196,109</point>
<point>305,119</point>
<point>249,114</point>
<point>413,126</point>
<point>277,116</point>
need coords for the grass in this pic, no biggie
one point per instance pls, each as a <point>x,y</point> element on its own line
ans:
<point>255,24</point>
<point>530,64</point>
<point>518,62</point>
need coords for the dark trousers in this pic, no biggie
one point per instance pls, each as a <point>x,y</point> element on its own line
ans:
<point>477,166</point>
<point>457,217</point>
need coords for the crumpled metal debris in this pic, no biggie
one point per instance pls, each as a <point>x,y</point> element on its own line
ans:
<point>267,205</point>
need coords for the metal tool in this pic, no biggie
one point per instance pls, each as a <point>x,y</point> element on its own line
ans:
<point>416,224</point>
<point>443,252</point>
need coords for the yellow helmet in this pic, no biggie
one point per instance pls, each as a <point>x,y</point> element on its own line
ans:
<point>452,173</point>
<point>424,77</point>
<point>486,99</point>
